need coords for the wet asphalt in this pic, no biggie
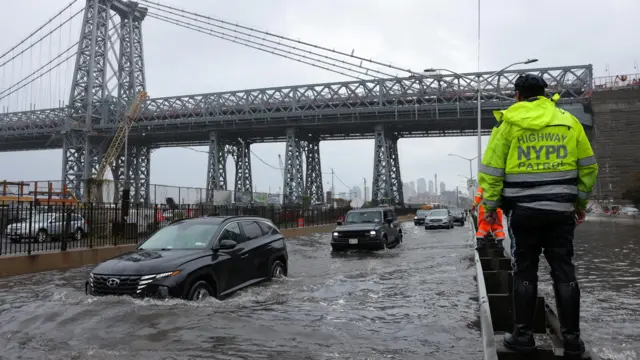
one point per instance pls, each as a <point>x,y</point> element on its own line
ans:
<point>417,301</point>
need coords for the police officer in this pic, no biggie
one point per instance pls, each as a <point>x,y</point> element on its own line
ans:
<point>539,168</point>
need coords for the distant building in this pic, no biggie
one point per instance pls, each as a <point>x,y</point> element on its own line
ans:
<point>422,186</point>
<point>412,185</point>
<point>431,187</point>
<point>443,187</point>
<point>356,192</point>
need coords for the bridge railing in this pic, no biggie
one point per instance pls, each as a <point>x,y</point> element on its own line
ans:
<point>29,228</point>
<point>624,81</point>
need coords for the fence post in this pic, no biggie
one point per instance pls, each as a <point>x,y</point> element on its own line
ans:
<point>115,226</point>
<point>30,232</point>
<point>66,227</point>
<point>90,228</point>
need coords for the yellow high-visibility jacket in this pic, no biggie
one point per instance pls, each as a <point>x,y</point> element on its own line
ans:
<point>538,157</point>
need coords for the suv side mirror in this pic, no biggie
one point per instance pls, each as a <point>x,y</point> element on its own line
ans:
<point>339,222</point>
<point>227,244</point>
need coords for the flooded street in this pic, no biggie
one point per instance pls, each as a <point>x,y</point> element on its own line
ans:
<point>413,302</point>
<point>608,269</point>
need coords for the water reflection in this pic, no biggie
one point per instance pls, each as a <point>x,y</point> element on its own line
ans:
<point>608,269</point>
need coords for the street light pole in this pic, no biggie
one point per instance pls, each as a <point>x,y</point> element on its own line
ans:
<point>479,95</point>
<point>470,160</point>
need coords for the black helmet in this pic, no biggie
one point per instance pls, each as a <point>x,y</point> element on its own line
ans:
<point>530,82</point>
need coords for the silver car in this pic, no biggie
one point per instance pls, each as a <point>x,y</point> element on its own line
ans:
<point>46,226</point>
<point>439,218</point>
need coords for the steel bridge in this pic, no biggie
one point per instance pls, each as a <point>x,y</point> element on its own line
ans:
<point>384,109</point>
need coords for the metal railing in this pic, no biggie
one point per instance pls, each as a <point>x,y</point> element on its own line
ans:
<point>624,81</point>
<point>26,227</point>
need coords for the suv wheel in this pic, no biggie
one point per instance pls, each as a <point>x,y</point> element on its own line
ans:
<point>277,269</point>
<point>200,291</point>
<point>385,243</point>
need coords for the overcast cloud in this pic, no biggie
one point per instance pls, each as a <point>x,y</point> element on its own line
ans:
<point>415,34</point>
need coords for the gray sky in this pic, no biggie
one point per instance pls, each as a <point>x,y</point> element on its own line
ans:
<point>413,34</point>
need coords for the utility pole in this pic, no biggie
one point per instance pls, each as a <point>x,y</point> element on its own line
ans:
<point>365,190</point>
<point>457,197</point>
<point>332,188</point>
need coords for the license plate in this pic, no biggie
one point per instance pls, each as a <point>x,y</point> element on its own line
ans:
<point>353,241</point>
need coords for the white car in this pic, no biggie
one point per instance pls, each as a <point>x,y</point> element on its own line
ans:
<point>629,211</point>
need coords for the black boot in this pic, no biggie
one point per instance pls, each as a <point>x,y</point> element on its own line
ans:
<point>568,305</point>
<point>479,244</point>
<point>499,245</point>
<point>525,294</point>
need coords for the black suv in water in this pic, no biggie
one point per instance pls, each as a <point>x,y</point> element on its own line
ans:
<point>196,258</point>
<point>458,216</point>
<point>421,215</point>
<point>374,228</point>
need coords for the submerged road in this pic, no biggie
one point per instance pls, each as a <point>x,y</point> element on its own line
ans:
<point>608,269</point>
<point>417,301</point>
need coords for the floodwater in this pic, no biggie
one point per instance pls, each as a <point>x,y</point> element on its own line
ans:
<point>608,270</point>
<point>417,301</point>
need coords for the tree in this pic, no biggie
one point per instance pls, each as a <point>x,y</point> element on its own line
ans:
<point>633,191</point>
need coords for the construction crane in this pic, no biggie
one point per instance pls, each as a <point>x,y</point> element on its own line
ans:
<point>119,139</point>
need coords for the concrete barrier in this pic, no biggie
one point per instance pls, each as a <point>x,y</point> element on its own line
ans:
<point>62,260</point>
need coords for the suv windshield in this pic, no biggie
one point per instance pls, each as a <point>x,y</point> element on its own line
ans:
<point>185,235</point>
<point>422,213</point>
<point>364,217</point>
<point>438,213</point>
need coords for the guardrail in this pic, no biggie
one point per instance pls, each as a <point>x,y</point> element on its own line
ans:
<point>624,81</point>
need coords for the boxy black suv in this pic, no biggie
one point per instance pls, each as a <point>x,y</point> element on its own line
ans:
<point>374,228</point>
<point>196,258</point>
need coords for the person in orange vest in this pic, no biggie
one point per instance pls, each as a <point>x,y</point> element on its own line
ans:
<point>484,227</point>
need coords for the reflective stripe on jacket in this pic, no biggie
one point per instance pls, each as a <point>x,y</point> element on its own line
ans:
<point>538,157</point>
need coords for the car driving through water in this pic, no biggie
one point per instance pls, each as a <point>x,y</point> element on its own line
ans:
<point>196,258</point>
<point>439,218</point>
<point>420,216</point>
<point>370,228</point>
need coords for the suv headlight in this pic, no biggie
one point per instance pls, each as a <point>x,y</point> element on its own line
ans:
<point>373,233</point>
<point>415,217</point>
<point>335,234</point>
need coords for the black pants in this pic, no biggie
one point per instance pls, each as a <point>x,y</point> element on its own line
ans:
<point>537,232</point>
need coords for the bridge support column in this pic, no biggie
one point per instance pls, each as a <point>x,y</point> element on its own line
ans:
<point>139,173</point>
<point>293,169</point>
<point>216,167</point>
<point>387,182</point>
<point>241,152</point>
<point>313,180</point>
<point>81,155</point>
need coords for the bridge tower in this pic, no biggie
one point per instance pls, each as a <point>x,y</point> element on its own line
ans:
<point>293,186</point>
<point>219,150</point>
<point>387,183</point>
<point>97,102</point>
<point>313,180</point>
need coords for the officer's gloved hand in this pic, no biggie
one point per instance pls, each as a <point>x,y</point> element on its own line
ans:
<point>490,216</point>
<point>581,214</point>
